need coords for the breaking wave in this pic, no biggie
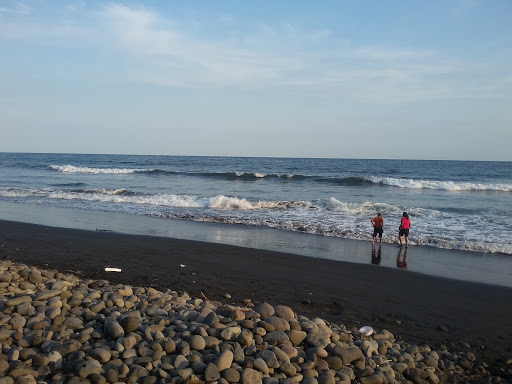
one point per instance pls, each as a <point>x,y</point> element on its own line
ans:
<point>441,185</point>
<point>452,186</point>
<point>75,169</point>
<point>326,216</point>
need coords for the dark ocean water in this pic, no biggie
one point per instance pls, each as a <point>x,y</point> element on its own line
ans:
<point>452,204</point>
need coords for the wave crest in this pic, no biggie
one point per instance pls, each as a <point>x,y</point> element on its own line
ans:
<point>441,185</point>
<point>327,217</point>
<point>74,169</point>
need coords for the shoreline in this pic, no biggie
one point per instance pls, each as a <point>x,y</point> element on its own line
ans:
<point>414,306</point>
<point>454,264</point>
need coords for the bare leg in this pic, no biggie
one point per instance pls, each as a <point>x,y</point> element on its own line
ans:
<point>406,241</point>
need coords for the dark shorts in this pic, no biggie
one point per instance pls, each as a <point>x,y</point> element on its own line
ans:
<point>404,232</point>
<point>376,231</point>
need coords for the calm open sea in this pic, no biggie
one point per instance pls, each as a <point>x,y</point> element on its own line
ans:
<point>461,205</point>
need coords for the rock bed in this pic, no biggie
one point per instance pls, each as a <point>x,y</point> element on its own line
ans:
<point>58,328</point>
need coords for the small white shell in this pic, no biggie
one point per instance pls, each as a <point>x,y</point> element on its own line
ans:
<point>366,330</point>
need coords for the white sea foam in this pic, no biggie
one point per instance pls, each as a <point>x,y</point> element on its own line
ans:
<point>219,202</point>
<point>327,217</point>
<point>15,192</point>
<point>251,174</point>
<point>118,191</point>
<point>441,185</point>
<point>368,207</point>
<point>74,169</point>
<point>225,202</point>
<point>353,208</point>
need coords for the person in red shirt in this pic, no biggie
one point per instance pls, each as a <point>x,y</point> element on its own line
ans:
<point>405,224</point>
<point>378,227</point>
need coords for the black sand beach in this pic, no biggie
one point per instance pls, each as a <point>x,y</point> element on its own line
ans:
<point>415,307</point>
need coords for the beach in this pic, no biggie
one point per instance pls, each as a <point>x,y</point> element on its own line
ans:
<point>414,307</point>
<point>289,194</point>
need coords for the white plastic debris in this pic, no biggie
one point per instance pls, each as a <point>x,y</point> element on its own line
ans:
<point>366,330</point>
<point>182,265</point>
<point>108,269</point>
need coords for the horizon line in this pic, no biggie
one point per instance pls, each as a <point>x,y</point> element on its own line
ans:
<point>249,157</point>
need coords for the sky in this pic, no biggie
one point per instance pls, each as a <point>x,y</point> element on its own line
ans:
<point>341,79</point>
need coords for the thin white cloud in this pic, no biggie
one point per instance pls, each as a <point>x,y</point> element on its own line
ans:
<point>160,51</point>
<point>137,28</point>
<point>390,53</point>
<point>225,18</point>
<point>463,7</point>
<point>320,35</point>
<point>197,62</point>
<point>17,8</point>
<point>214,62</point>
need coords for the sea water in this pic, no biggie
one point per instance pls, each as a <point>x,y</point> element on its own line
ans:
<point>460,205</point>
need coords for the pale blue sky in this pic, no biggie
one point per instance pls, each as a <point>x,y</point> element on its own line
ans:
<point>349,79</point>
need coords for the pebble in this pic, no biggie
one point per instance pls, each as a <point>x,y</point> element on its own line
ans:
<point>224,360</point>
<point>58,328</point>
<point>129,323</point>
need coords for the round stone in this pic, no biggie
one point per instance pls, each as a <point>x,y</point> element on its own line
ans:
<point>284,312</point>
<point>88,368</point>
<point>130,324</point>
<point>211,373</point>
<point>113,329</point>
<point>276,337</point>
<point>197,343</point>
<point>231,375</point>
<point>230,333</point>
<point>73,323</point>
<point>225,360</point>
<point>296,337</point>
<point>101,354</point>
<point>251,376</point>
<point>279,323</point>
<point>265,310</point>
<point>261,366</point>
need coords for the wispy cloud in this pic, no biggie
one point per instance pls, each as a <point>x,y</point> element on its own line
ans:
<point>320,35</point>
<point>463,7</point>
<point>16,8</point>
<point>272,59</point>
<point>138,30</point>
<point>212,62</point>
<point>157,50</point>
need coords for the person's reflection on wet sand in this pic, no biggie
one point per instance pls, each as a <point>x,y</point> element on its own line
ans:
<point>376,256</point>
<point>401,262</point>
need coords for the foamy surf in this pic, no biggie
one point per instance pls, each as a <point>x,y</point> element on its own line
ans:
<point>442,185</point>
<point>327,217</point>
<point>75,169</point>
<point>453,205</point>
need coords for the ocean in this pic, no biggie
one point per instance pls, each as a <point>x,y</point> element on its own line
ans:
<point>457,205</point>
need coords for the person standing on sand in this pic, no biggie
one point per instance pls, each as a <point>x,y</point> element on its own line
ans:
<point>403,230</point>
<point>378,227</point>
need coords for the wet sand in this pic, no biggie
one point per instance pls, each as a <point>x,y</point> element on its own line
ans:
<point>416,307</point>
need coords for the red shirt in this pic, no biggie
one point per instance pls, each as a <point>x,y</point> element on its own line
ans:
<point>406,223</point>
<point>378,221</point>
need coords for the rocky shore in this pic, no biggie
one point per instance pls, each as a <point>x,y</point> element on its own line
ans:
<point>59,328</point>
